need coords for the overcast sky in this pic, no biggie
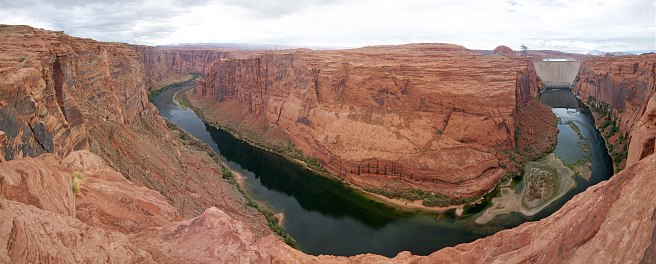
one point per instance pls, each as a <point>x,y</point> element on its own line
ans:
<point>476,24</point>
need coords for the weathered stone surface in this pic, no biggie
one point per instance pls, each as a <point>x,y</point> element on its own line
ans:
<point>114,220</point>
<point>165,66</point>
<point>624,86</point>
<point>503,50</point>
<point>37,182</point>
<point>425,114</point>
<point>34,235</point>
<point>37,217</point>
<point>106,199</point>
<point>199,59</point>
<point>59,94</point>
<point>593,225</point>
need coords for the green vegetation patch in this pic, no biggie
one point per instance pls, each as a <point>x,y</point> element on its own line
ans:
<point>291,151</point>
<point>608,128</point>
<point>76,185</point>
<point>429,199</point>
<point>271,218</point>
<point>575,127</point>
<point>181,101</point>
<point>542,183</point>
<point>77,175</point>
<point>189,140</point>
<point>155,93</point>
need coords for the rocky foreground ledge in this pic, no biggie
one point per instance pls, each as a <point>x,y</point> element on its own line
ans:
<point>75,105</point>
<point>113,220</point>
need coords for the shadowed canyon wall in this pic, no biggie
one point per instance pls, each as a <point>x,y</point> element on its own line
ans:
<point>60,94</point>
<point>162,67</point>
<point>430,116</point>
<point>623,86</point>
<point>67,96</point>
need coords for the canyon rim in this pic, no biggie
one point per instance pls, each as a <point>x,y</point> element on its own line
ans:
<point>435,117</point>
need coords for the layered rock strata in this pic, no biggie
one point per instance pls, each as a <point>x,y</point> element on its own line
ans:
<point>112,219</point>
<point>428,116</point>
<point>624,87</point>
<point>60,94</point>
<point>163,67</point>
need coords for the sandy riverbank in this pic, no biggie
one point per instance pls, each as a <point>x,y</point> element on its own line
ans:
<point>511,201</point>
<point>411,205</point>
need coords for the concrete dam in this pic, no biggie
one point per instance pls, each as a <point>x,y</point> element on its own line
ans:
<point>558,76</point>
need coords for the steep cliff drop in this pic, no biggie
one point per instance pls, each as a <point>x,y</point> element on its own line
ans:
<point>59,94</point>
<point>429,116</point>
<point>112,219</point>
<point>44,223</point>
<point>620,92</point>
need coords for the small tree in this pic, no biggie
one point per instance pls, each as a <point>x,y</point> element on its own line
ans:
<point>524,49</point>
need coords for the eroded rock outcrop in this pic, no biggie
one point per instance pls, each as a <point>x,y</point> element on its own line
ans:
<point>624,87</point>
<point>593,225</point>
<point>37,112</point>
<point>169,65</point>
<point>59,94</point>
<point>58,99</point>
<point>39,224</point>
<point>503,50</point>
<point>429,116</point>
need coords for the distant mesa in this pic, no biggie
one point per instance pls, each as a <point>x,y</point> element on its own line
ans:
<point>503,50</point>
<point>416,47</point>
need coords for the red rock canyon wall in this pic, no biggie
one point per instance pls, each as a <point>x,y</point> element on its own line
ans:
<point>625,86</point>
<point>428,115</point>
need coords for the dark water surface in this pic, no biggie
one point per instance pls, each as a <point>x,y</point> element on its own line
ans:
<point>561,98</point>
<point>328,217</point>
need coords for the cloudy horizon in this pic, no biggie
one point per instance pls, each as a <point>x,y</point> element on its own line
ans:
<point>483,24</point>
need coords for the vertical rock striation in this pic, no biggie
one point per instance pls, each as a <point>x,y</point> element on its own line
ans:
<point>60,94</point>
<point>165,66</point>
<point>430,116</point>
<point>624,86</point>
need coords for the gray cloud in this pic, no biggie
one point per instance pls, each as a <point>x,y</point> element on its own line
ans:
<point>274,9</point>
<point>118,20</point>
<point>582,24</point>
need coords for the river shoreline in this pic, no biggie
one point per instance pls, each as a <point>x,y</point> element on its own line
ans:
<point>397,203</point>
<point>327,216</point>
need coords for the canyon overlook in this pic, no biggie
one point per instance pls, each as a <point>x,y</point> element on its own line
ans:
<point>431,116</point>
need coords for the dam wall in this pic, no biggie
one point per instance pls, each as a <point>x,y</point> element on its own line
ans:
<point>556,74</point>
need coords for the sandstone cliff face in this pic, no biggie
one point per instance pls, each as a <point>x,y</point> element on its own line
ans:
<point>36,231</point>
<point>114,220</point>
<point>590,227</point>
<point>624,86</point>
<point>503,50</point>
<point>163,67</point>
<point>429,118</point>
<point>200,60</point>
<point>38,113</point>
<point>59,94</point>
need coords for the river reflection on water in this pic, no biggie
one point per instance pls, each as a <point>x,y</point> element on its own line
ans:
<point>326,216</point>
